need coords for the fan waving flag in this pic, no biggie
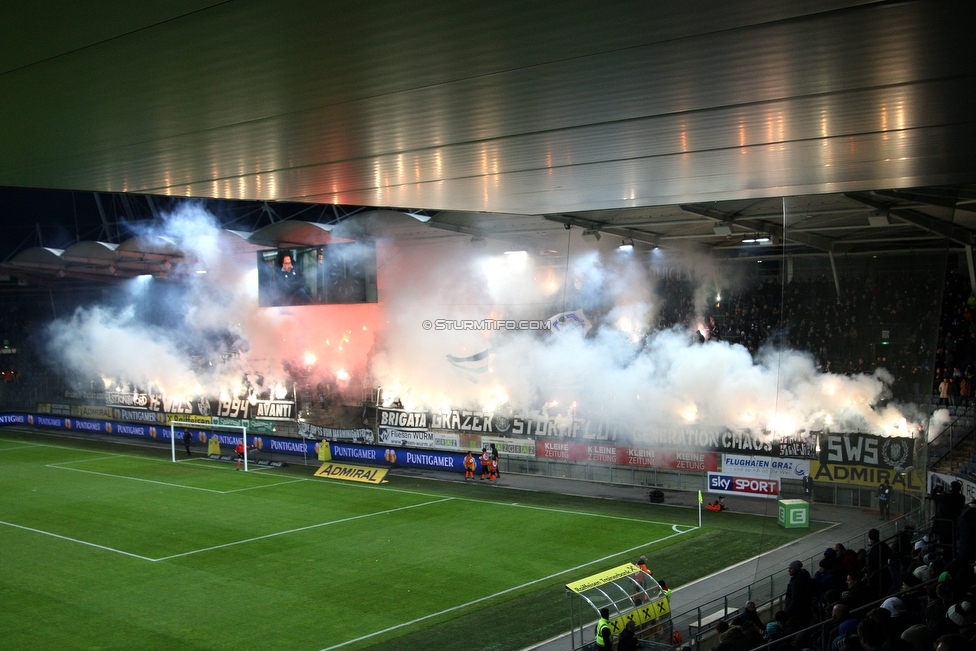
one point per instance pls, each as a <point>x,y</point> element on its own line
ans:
<point>566,322</point>
<point>472,366</point>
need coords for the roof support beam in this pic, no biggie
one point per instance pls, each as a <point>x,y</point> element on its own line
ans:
<point>106,228</point>
<point>916,218</point>
<point>627,233</point>
<point>808,239</point>
<point>941,197</point>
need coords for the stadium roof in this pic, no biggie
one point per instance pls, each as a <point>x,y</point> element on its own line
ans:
<point>669,123</point>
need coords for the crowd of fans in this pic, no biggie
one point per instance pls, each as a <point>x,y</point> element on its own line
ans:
<point>909,593</point>
<point>887,321</point>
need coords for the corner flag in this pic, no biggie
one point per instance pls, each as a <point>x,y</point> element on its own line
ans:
<point>700,500</point>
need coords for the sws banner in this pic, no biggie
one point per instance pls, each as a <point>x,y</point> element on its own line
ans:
<point>867,450</point>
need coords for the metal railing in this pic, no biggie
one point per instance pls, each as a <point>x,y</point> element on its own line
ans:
<point>700,621</point>
<point>816,636</point>
<point>952,435</point>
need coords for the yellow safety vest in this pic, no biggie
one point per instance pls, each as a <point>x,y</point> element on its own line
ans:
<point>600,625</point>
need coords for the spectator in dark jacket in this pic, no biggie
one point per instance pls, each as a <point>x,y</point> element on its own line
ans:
<point>799,597</point>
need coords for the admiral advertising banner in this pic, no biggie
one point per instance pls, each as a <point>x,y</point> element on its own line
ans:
<point>867,450</point>
<point>747,466</point>
<point>371,454</point>
<point>724,484</point>
<point>90,411</point>
<point>363,474</point>
<point>628,456</point>
<point>839,473</point>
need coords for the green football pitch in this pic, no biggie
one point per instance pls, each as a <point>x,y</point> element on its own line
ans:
<point>105,546</point>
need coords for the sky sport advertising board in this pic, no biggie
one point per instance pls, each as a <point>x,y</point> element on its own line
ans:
<point>722,484</point>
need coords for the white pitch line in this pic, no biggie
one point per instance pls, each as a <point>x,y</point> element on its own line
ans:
<point>75,540</point>
<point>148,481</point>
<point>19,447</point>
<point>311,526</point>
<point>59,465</point>
<point>406,491</point>
<point>498,594</point>
<point>113,456</point>
<point>251,488</point>
<point>570,512</point>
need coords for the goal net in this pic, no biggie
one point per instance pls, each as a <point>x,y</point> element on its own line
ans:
<point>187,427</point>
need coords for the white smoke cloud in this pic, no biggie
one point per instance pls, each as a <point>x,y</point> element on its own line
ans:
<point>214,311</point>
<point>665,380</point>
<point>624,372</point>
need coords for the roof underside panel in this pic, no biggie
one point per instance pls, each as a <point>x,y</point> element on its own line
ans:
<point>507,107</point>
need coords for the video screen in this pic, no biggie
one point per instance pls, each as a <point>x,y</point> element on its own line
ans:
<point>317,275</point>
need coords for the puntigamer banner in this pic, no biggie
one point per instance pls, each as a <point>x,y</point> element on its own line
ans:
<point>389,456</point>
<point>161,432</point>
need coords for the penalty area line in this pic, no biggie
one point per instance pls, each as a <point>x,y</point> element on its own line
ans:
<point>147,481</point>
<point>477,500</point>
<point>498,594</point>
<point>80,542</point>
<point>251,488</point>
<point>311,526</point>
<point>18,447</point>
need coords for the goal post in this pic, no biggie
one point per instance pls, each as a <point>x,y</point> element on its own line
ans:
<point>205,427</point>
